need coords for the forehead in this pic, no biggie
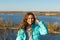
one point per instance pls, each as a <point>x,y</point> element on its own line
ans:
<point>30,16</point>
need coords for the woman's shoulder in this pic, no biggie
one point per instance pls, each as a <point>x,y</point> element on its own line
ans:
<point>21,30</point>
<point>38,24</point>
<point>41,22</point>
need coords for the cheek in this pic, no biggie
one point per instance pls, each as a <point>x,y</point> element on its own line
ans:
<point>32,20</point>
<point>28,21</point>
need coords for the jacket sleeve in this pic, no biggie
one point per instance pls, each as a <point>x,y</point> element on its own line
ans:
<point>20,35</point>
<point>43,28</point>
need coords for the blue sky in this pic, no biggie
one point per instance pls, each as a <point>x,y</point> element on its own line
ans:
<point>29,5</point>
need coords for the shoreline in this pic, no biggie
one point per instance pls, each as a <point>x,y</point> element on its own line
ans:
<point>37,13</point>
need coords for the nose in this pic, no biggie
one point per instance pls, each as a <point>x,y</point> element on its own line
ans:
<point>30,20</point>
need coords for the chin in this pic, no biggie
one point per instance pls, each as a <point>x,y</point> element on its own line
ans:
<point>31,24</point>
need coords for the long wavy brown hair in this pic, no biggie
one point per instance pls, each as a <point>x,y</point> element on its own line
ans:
<point>24,23</point>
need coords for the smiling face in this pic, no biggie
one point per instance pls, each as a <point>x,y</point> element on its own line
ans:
<point>30,19</point>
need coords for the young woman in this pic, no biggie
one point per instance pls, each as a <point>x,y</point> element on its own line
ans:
<point>31,28</point>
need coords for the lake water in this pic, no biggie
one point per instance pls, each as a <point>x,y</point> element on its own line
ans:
<point>17,19</point>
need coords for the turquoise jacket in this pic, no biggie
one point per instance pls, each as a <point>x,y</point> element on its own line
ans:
<point>37,30</point>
